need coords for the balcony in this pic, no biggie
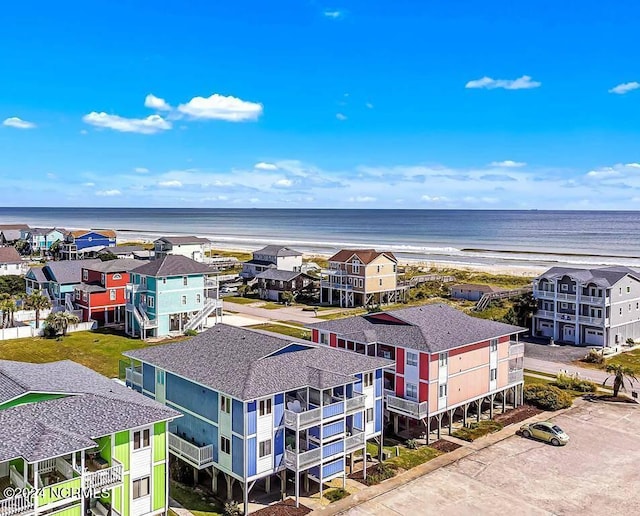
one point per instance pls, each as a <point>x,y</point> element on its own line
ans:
<point>354,442</point>
<point>545,313</point>
<point>16,505</point>
<point>312,417</point>
<point>544,294</point>
<point>516,375</point>
<point>516,349</point>
<point>299,461</point>
<point>414,409</point>
<point>103,478</point>
<point>198,456</point>
<point>565,317</point>
<point>133,376</point>
<point>596,321</point>
<point>593,300</point>
<point>566,297</point>
<point>355,404</point>
<point>337,286</point>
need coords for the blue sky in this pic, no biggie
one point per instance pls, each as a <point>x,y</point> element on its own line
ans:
<point>350,103</point>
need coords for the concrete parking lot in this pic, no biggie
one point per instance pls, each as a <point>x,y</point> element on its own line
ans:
<point>596,473</point>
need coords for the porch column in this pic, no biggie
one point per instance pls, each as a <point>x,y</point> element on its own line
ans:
<point>479,407</point>
<point>504,406</point>
<point>305,477</point>
<point>451,412</point>
<point>297,489</point>
<point>283,484</point>
<point>439,418</point>
<point>245,491</point>
<point>464,414</point>
<point>491,398</point>
<point>214,479</point>
<point>195,476</point>
<point>229,479</point>
<point>267,484</point>
<point>395,424</point>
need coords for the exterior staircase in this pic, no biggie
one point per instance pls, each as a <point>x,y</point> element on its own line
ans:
<point>209,306</point>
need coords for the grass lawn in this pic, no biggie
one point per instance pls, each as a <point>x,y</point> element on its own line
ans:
<point>242,256</point>
<point>97,350</point>
<point>240,300</point>
<point>629,359</point>
<point>343,314</point>
<point>193,501</point>
<point>528,379</point>
<point>298,333</point>
<point>477,429</point>
<point>411,458</point>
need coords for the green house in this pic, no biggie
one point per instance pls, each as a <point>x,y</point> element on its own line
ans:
<point>77,443</point>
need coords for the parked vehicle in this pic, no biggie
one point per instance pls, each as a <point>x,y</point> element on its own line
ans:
<point>545,431</point>
<point>228,290</point>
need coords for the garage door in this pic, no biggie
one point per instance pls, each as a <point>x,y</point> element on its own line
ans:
<point>594,337</point>
<point>545,329</point>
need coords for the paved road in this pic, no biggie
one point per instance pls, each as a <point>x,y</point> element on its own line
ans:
<point>290,313</point>
<point>545,366</point>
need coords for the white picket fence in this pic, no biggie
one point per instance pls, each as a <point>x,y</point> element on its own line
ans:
<point>22,332</point>
<point>30,315</point>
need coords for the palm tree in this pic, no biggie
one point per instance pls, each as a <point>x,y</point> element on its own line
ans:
<point>620,373</point>
<point>55,249</point>
<point>60,321</point>
<point>36,301</point>
<point>8,308</point>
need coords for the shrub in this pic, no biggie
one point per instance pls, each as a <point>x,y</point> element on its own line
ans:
<point>49,332</point>
<point>477,429</point>
<point>382,472</point>
<point>573,383</point>
<point>594,357</point>
<point>334,495</point>
<point>412,444</point>
<point>232,509</point>
<point>546,397</point>
<point>191,333</point>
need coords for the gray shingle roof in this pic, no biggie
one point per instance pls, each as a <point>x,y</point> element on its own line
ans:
<point>96,406</point>
<point>173,265</point>
<point>264,263</point>
<point>430,328</point>
<point>121,249</point>
<point>602,276</point>
<point>277,274</point>
<point>184,240</point>
<point>120,265</point>
<point>11,235</point>
<point>67,271</point>
<point>86,287</point>
<point>38,274</point>
<point>240,363</point>
<point>278,250</point>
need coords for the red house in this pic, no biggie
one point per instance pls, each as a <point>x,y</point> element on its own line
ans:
<point>101,295</point>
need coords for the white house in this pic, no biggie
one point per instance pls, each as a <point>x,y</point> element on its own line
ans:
<point>10,262</point>
<point>190,246</point>
<point>272,256</point>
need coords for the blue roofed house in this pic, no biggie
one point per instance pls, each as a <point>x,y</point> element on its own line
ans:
<point>260,408</point>
<point>170,295</point>
<point>83,243</point>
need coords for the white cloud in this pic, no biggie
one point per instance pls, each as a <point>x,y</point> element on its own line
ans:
<point>219,107</point>
<point>521,83</point>
<point>153,102</point>
<point>174,183</point>
<point>18,123</point>
<point>283,183</point>
<point>369,105</point>
<point>340,116</point>
<point>334,14</point>
<point>108,193</point>
<point>428,198</point>
<point>150,125</point>
<point>362,198</point>
<point>84,131</point>
<point>625,87</point>
<point>507,164</point>
<point>141,170</point>
<point>265,166</point>
<point>633,165</point>
<point>88,185</point>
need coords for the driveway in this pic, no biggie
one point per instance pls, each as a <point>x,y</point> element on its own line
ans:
<point>561,354</point>
<point>597,473</point>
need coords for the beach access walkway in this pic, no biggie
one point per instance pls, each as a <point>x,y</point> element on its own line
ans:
<point>544,366</point>
<point>286,313</point>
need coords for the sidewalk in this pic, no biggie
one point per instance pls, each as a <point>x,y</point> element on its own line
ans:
<point>369,493</point>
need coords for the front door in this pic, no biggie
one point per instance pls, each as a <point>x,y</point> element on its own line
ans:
<point>569,333</point>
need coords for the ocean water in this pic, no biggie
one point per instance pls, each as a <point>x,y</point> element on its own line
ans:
<point>511,238</point>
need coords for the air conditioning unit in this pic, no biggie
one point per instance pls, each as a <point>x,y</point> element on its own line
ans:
<point>386,354</point>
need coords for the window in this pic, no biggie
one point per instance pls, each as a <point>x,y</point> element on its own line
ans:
<point>380,281</point>
<point>621,311</point>
<point>184,281</point>
<point>356,267</point>
<point>411,391</point>
<point>412,358</point>
<point>143,281</point>
<point>141,487</point>
<point>378,269</point>
<point>85,274</point>
<point>493,374</point>
<point>141,439</point>
<point>360,282</point>
<point>84,296</point>
<point>367,379</point>
<point>494,344</point>
<point>112,295</point>
<point>369,415</point>
<point>117,276</point>
<point>443,358</point>
<point>77,294</point>
<point>151,301</point>
<point>198,298</point>
<point>164,281</point>
<point>265,407</point>
<point>225,445</point>
<point>225,404</point>
<point>564,287</point>
<point>102,278</point>
<point>563,305</point>
<point>443,390</point>
<point>628,289</point>
<point>184,300</point>
<point>324,338</point>
<point>264,448</point>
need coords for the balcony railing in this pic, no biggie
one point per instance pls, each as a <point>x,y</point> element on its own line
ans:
<point>566,297</point>
<point>338,286</point>
<point>307,418</point>
<point>354,404</point>
<point>354,442</point>
<point>565,317</point>
<point>545,313</point>
<point>133,376</point>
<point>593,300</point>
<point>298,461</point>
<point>516,349</point>
<point>415,409</point>
<point>199,456</point>
<point>17,504</point>
<point>544,294</point>
<point>104,478</point>
<point>598,321</point>
<point>516,375</point>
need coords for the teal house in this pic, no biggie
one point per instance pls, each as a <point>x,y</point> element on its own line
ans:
<point>41,239</point>
<point>171,295</point>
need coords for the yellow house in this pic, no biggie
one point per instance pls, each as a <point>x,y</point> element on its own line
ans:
<point>361,277</point>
